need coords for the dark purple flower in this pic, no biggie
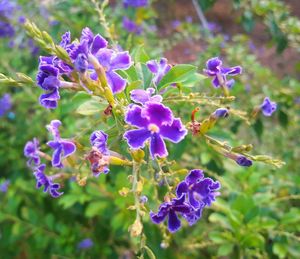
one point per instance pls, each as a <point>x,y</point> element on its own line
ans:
<point>194,215</point>
<point>135,3</point>
<point>221,113</point>
<point>62,147</point>
<point>131,26</point>
<point>198,190</point>
<point>171,209</point>
<point>112,61</point>
<point>142,96</point>
<point>268,107</point>
<point>31,151</point>
<point>85,244</point>
<point>158,69</point>
<point>6,30</point>
<point>46,181</point>
<point>5,104</point>
<point>243,161</point>
<point>214,69</point>
<point>155,122</point>
<point>4,186</point>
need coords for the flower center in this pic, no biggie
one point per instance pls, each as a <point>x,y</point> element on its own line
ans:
<point>153,128</point>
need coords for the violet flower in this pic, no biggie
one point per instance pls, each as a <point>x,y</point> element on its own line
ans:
<point>31,151</point>
<point>171,209</point>
<point>159,69</point>
<point>62,147</point>
<point>46,181</point>
<point>155,122</point>
<point>131,26</point>
<point>99,156</point>
<point>214,69</point>
<point>5,104</point>
<point>135,3</point>
<point>85,244</point>
<point>111,62</point>
<point>268,107</point>
<point>142,96</point>
<point>198,190</point>
<point>7,11</point>
<point>4,186</point>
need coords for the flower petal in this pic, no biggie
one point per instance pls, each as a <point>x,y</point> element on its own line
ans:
<point>137,138</point>
<point>174,132</point>
<point>182,188</point>
<point>173,222</point>
<point>214,64</point>
<point>115,81</point>
<point>194,176</point>
<point>152,66</point>
<point>134,117</point>
<point>120,60</point>
<point>56,157</point>
<point>49,100</point>
<point>157,146</point>
<point>98,43</point>
<point>157,114</point>
<point>68,147</point>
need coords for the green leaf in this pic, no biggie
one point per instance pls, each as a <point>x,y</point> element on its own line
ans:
<point>217,237</point>
<point>90,107</point>
<point>95,208</point>
<point>177,74</point>
<point>280,249</point>
<point>150,252</point>
<point>225,249</point>
<point>258,128</point>
<point>140,55</point>
<point>283,118</point>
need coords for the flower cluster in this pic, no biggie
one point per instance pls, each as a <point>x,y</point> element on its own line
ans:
<point>91,59</point>
<point>62,149</point>
<point>135,3</point>
<point>131,26</point>
<point>7,9</point>
<point>192,196</point>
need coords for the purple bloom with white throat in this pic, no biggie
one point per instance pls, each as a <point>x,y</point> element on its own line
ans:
<point>159,69</point>
<point>172,209</point>
<point>155,122</point>
<point>62,147</point>
<point>198,190</point>
<point>99,155</point>
<point>46,181</point>
<point>219,73</point>
<point>112,61</point>
<point>142,96</point>
<point>31,151</point>
<point>268,107</point>
<point>5,104</point>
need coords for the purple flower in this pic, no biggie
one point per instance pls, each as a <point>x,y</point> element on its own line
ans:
<point>131,26</point>
<point>143,199</point>
<point>89,44</point>
<point>189,19</point>
<point>6,30</point>
<point>85,244</point>
<point>111,62</point>
<point>5,104</point>
<point>198,190</point>
<point>135,3</point>
<point>142,96</point>
<point>4,186</point>
<point>155,122</point>
<point>243,161</point>
<point>268,107</point>
<point>62,147</point>
<point>158,69</point>
<point>221,113</point>
<point>7,11</point>
<point>31,151</point>
<point>46,181</point>
<point>171,209</point>
<point>175,24</point>
<point>213,27</point>
<point>99,156</point>
<point>214,69</point>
